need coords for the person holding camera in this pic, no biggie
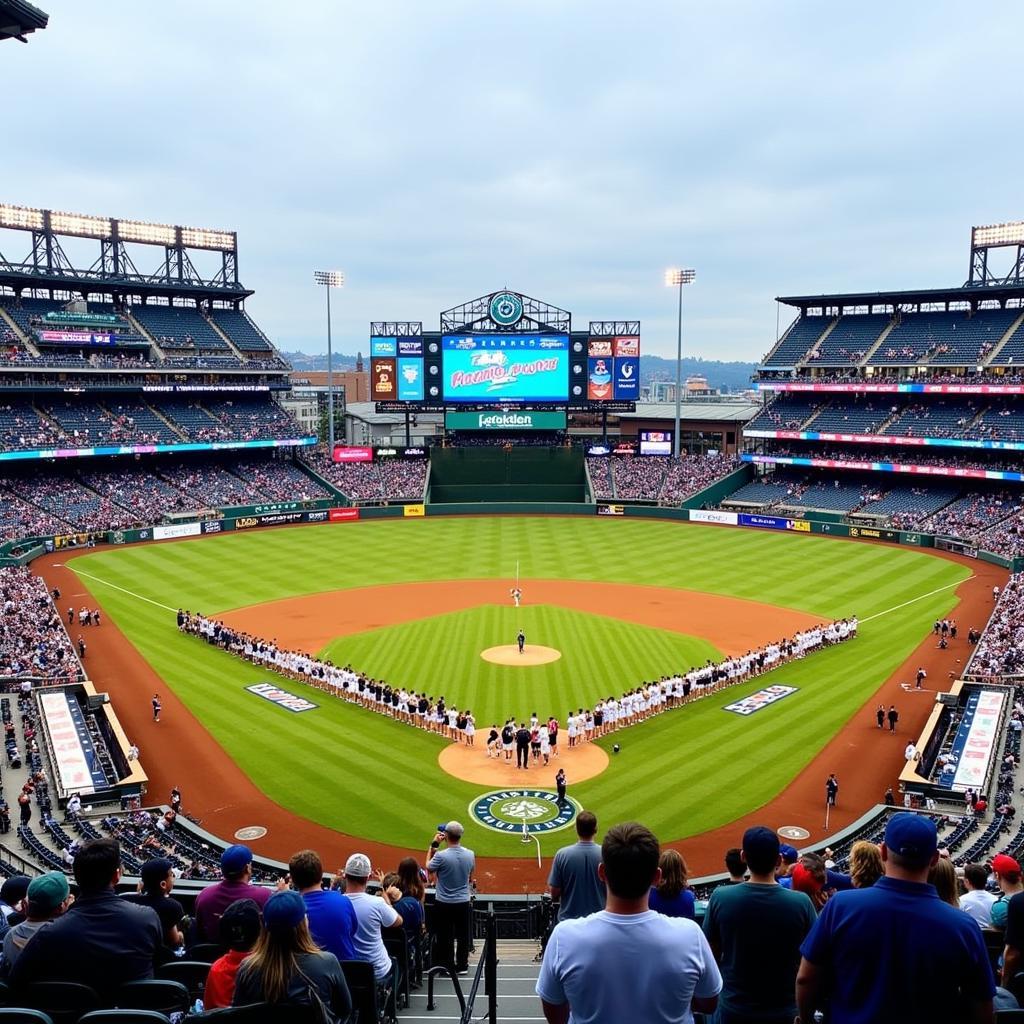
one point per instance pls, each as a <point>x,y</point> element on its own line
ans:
<point>452,870</point>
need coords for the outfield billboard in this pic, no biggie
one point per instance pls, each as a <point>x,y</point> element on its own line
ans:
<point>505,368</point>
<point>505,420</point>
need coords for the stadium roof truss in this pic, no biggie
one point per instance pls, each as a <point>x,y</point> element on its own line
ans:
<point>475,316</point>
<point>396,329</point>
<point>47,265</point>
<point>996,236</point>
<point>18,19</point>
<point>614,328</point>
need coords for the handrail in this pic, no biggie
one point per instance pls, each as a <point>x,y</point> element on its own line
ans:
<point>488,968</point>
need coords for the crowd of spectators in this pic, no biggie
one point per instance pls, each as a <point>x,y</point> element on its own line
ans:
<point>33,641</point>
<point>919,456</point>
<point>986,377</point>
<point>638,477</point>
<point>403,478</point>
<point>384,480</point>
<point>656,478</point>
<point>1000,650</point>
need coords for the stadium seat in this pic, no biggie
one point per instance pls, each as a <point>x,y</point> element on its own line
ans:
<point>63,1001</point>
<point>372,1003</point>
<point>190,973</point>
<point>23,1015</point>
<point>1009,1016</point>
<point>125,1017</point>
<point>264,1013</point>
<point>160,994</point>
<point>205,952</point>
<point>400,951</point>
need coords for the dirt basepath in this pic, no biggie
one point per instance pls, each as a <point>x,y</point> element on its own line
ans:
<point>309,622</point>
<point>179,750</point>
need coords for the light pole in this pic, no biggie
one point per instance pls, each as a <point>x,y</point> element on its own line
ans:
<point>329,279</point>
<point>676,278</point>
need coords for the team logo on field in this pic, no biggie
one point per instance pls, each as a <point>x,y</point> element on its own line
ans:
<point>508,810</point>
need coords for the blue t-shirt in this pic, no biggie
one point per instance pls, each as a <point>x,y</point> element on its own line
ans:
<point>896,952</point>
<point>332,922</point>
<point>574,873</point>
<point>681,906</point>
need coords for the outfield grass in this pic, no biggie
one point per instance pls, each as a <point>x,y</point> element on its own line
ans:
<point>670,771</point>
<point>440,655</point>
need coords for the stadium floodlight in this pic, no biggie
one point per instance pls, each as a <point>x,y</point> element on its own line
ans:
<point>208,238</point>
<point>147,232</point>
<point>21,218</point>
<point>329,279</point>
<point>1011,233</point>
<point>81,225</point>
<point>676,277</point>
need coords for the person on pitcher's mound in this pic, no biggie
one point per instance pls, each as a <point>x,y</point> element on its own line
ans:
<point>521,641</point>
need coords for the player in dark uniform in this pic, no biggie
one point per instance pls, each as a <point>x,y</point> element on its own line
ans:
<point>521,640</point>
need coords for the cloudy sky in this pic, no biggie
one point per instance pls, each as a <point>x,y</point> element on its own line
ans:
<point>569,149</point>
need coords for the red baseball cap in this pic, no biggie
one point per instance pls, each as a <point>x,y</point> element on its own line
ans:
<point>1002,863</point>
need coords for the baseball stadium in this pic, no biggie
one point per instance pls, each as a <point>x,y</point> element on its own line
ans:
<point>512,585</point>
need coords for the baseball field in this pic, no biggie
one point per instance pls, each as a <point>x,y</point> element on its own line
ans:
<point>418,601</point>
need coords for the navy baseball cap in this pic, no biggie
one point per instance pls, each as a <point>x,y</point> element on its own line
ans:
<point>235,859</point>
<point>760,841</point>
<point>284,910</point>
<point>154,872</point>
<point>789,853</point>
<point>912,837</point>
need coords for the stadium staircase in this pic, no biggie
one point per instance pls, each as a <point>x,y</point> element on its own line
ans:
<point>812,353</point>
<point>879,341</point>
<point>137,325</point>
<point>998,347</point>
<point>21,335</point>
<point>235,350</point>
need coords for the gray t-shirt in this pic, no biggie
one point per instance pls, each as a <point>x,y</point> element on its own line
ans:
<point>17,938</point>
<point>574,871</point>
<point>453,867</point>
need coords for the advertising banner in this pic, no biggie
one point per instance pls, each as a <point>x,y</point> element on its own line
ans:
<point>356,453</point>
<point>414,511</point>
<point>178,530</point>
<point>212,526</point>
<point>627,379</point>
<point>383,381</point>
<point>598,449</point>
<point>611,510</point>
<point>600,383</point>
<point>714,516</point>
<point>761,699</point>
<point>410,380</point>
<point>282,698</point>
<point>600,347</point>
<point>872,533</point>
<point>76,338</point>
<point>383,346</point>
<point>71,763</point>
<point>766,522</point>
<point>625,448</point>
<point>274,519</point>
<point>342,515</point>
<point>655,442</point>
<point>976,738</point>
<point>410,347</point>
<point>886,439</point>
<point>506,368</point>
<point>886,467</point>
<point>505,421</point>
<point>625,347</point>
<point>149,449</point>
<point>890,389</point>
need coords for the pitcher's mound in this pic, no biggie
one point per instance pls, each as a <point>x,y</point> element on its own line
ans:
<point>471,764</point>
<point>533,654</point>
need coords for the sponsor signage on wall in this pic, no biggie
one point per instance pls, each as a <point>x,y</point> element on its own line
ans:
<point>177,530</point>
<point>502,421</point>
<point>714,516</point>
<point>352,454</point>
<point>342,515</point>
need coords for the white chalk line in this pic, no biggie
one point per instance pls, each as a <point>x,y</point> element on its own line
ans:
<point>914,600</point>
<point>130,593</point>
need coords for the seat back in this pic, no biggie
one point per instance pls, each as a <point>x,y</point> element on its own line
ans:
<point>62,1001</point>
<point>156,994</point>
<point>22,1015</point>
<point>205,952</point>
<point>191,973</point>
<point>263,1013</point>
<point>125,1017</point>
<point>363,987</point>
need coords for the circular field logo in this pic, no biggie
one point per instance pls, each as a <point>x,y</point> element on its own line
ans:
<point>506,309</point>
<point>251,833</point>
<point>506,810</point>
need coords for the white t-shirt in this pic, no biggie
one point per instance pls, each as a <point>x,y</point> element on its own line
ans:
<point>666,960</point>
<point>978,904</point>
<point>372,914</point>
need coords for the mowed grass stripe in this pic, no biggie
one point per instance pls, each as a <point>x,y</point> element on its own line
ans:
<point>682,773</point>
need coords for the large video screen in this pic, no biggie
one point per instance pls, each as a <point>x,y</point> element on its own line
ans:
<point>503,368</point>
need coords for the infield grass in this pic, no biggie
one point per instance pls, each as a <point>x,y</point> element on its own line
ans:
<point>366,775</point>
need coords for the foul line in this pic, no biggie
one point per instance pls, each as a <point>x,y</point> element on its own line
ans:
<point>914,600</point>
<point>130,593</point>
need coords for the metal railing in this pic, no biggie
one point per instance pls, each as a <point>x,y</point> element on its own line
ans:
<point>486,970</point>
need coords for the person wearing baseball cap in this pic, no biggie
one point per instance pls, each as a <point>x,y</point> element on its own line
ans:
<point>287,968</point>
<point>452,870</point>
<point>236,868</point>
<point>240,927</point>
<point>758,975</point>
<point>1007,875</point>
<point>157,881</point>
<point>895,951</point>
<point>46,897</point>
<point>372,914</point>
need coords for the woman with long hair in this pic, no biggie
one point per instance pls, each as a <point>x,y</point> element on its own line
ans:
<point>865,864</point>
<point>671,896</point>
<point>287,967</point>
<point>943,876</point>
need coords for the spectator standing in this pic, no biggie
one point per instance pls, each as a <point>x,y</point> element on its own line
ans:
<point>671,896</point>
<point>453,870</point>
<point>239,930</point>
<point>755,930</point>
<point>236,868</point>
<point>332,919</point>
<point>98,928</point>
<point>977,901</point>
<point>286,968</point>
<point>372,914</point>
<point>896,952</point>
<point>627,962</point>
<point>574,881</point>
<point>48,897</point>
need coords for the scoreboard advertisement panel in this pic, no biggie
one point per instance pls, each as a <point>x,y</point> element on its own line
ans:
<point>505,368</point>
<point>613,369</point>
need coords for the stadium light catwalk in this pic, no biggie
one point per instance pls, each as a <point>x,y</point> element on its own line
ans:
<point>676,277</point>
<point>329,279</point>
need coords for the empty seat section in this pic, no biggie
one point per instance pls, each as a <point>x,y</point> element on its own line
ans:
<point>241,330</point>
<point>798,341</point>
<point>179,325</point>
<point>851,338</point>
